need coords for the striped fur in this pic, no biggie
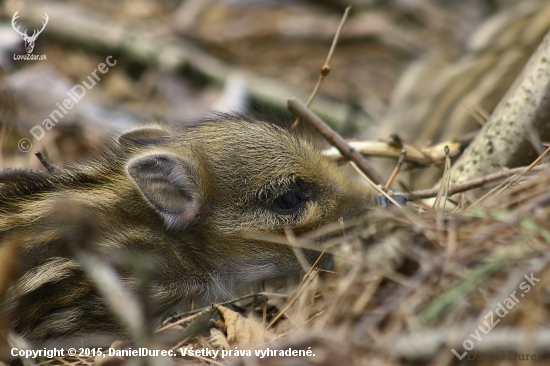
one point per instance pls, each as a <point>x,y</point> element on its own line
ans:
<point>184,199</point>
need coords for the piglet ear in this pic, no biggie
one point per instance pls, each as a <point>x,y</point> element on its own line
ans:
<point>143,136</point>
<point>167,183</point>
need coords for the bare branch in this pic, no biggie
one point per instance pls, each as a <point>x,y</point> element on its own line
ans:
<point>424,156</point>
<point>472,184</point>
<point>398,166</point>
<point>45,163</point>
<point>300,110</point>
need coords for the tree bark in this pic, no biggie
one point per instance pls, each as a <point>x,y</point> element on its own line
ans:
<point>510,137</point>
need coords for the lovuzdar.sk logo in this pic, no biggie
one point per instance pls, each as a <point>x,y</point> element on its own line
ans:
<point>29,40</point>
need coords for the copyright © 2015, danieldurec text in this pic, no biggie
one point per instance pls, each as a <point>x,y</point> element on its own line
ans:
<point>182,352</point>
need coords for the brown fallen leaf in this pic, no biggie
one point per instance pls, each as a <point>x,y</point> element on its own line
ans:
<point>243,331</point>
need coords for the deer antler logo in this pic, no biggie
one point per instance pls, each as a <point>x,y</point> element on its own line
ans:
<point>29,40</point>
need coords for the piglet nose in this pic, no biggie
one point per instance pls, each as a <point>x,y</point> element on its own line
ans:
<point>383,201</point>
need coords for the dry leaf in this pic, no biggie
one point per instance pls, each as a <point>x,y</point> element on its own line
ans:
<point>243,331</point>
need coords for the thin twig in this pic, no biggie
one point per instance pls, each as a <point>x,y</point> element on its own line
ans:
<point>179,318</point>
<point>293,241</point>
<point>341,222</point>
<point>422,152</point>
<point>443,192</point>
<point>181,321</point>
<point>482,112</point>
<point>509,184</point>
<point>505,185</point>
<point>443,195</point>
<point>402,157</point>
<point>376,187</point>
<point>423,157</point>
<point>45,163</point>
<point>467,186</point>
<point>84,361</point>
<point>326,67</point>
<point>447,176</point>
<point>63,362</point>
<point>476,114</point>
<point>301,111</point>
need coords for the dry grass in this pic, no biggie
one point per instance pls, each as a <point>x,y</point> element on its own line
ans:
<point>409,286</point>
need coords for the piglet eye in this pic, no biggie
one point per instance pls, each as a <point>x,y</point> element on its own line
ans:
<point>288,203</point>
